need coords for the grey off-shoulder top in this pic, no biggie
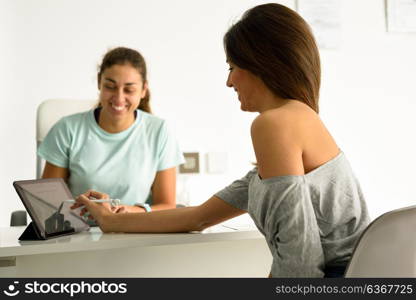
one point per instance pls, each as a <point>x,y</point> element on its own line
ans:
<point>309,221</point>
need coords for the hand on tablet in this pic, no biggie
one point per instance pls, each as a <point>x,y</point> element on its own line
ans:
<point>92,209</point>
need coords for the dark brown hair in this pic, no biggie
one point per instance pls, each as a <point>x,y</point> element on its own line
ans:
<point>274,43</point>
<point>123,56</point>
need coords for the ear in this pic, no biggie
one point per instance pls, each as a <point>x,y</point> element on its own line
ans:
<point>144,91</point>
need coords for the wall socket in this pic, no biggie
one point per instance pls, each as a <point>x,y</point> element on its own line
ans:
<point>191,164</point>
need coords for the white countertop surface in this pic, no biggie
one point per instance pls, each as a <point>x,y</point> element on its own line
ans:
<point>94,239</point>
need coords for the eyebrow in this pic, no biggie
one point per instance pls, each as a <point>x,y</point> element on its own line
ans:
<point>113,81</point>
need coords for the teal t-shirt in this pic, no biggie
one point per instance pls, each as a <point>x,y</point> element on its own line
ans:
<point>122,165</point>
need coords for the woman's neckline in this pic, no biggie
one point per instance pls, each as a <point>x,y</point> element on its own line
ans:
<point>97,112</point>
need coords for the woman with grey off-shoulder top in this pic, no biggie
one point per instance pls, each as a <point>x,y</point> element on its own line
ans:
<point>302,194</point>
<point>311,222</point>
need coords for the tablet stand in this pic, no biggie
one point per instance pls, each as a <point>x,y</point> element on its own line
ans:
<point>31,233</point>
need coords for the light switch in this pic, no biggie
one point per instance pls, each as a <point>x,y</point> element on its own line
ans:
<point>217,162</point>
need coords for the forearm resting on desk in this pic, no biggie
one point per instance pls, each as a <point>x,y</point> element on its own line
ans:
<point>138,209</point>
<point>185,219</point>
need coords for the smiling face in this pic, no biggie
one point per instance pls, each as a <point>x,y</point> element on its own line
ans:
<point>121,89</point>
<point>249,88</point>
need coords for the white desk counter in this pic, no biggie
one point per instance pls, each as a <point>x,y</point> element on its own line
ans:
<point>216,252</point>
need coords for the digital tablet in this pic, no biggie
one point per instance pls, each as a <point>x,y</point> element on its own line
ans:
<point>44,200</point>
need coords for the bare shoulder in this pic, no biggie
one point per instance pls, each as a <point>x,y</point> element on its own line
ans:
<point>278,136</point>
<point>291,140</point>
<point>286,122</point>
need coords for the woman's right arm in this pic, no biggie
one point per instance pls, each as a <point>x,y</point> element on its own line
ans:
<point>186,219</point>
<point>52,171</point>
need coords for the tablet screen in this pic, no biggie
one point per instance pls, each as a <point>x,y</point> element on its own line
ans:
<point>42,199</point>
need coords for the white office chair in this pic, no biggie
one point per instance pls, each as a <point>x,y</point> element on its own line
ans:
<point>387,248</point>
<point>49,112</point>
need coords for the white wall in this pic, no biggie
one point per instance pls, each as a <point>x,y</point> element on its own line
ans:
<point>51,48</point>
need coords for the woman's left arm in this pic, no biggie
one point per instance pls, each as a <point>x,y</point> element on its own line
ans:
<point>164,189</point>
<point>163,193</point>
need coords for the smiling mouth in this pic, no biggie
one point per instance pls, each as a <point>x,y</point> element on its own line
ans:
<point>118,108</point>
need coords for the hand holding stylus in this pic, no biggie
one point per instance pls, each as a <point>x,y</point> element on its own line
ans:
<point>94,204</point>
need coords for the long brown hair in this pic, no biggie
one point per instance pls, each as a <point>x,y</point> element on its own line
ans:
<point>274,43</point>
<point>122,56</point>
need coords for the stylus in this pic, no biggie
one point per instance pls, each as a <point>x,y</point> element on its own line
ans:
<point>113,202</point>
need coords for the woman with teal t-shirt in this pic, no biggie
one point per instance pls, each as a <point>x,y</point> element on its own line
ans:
<point>119,148</point>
